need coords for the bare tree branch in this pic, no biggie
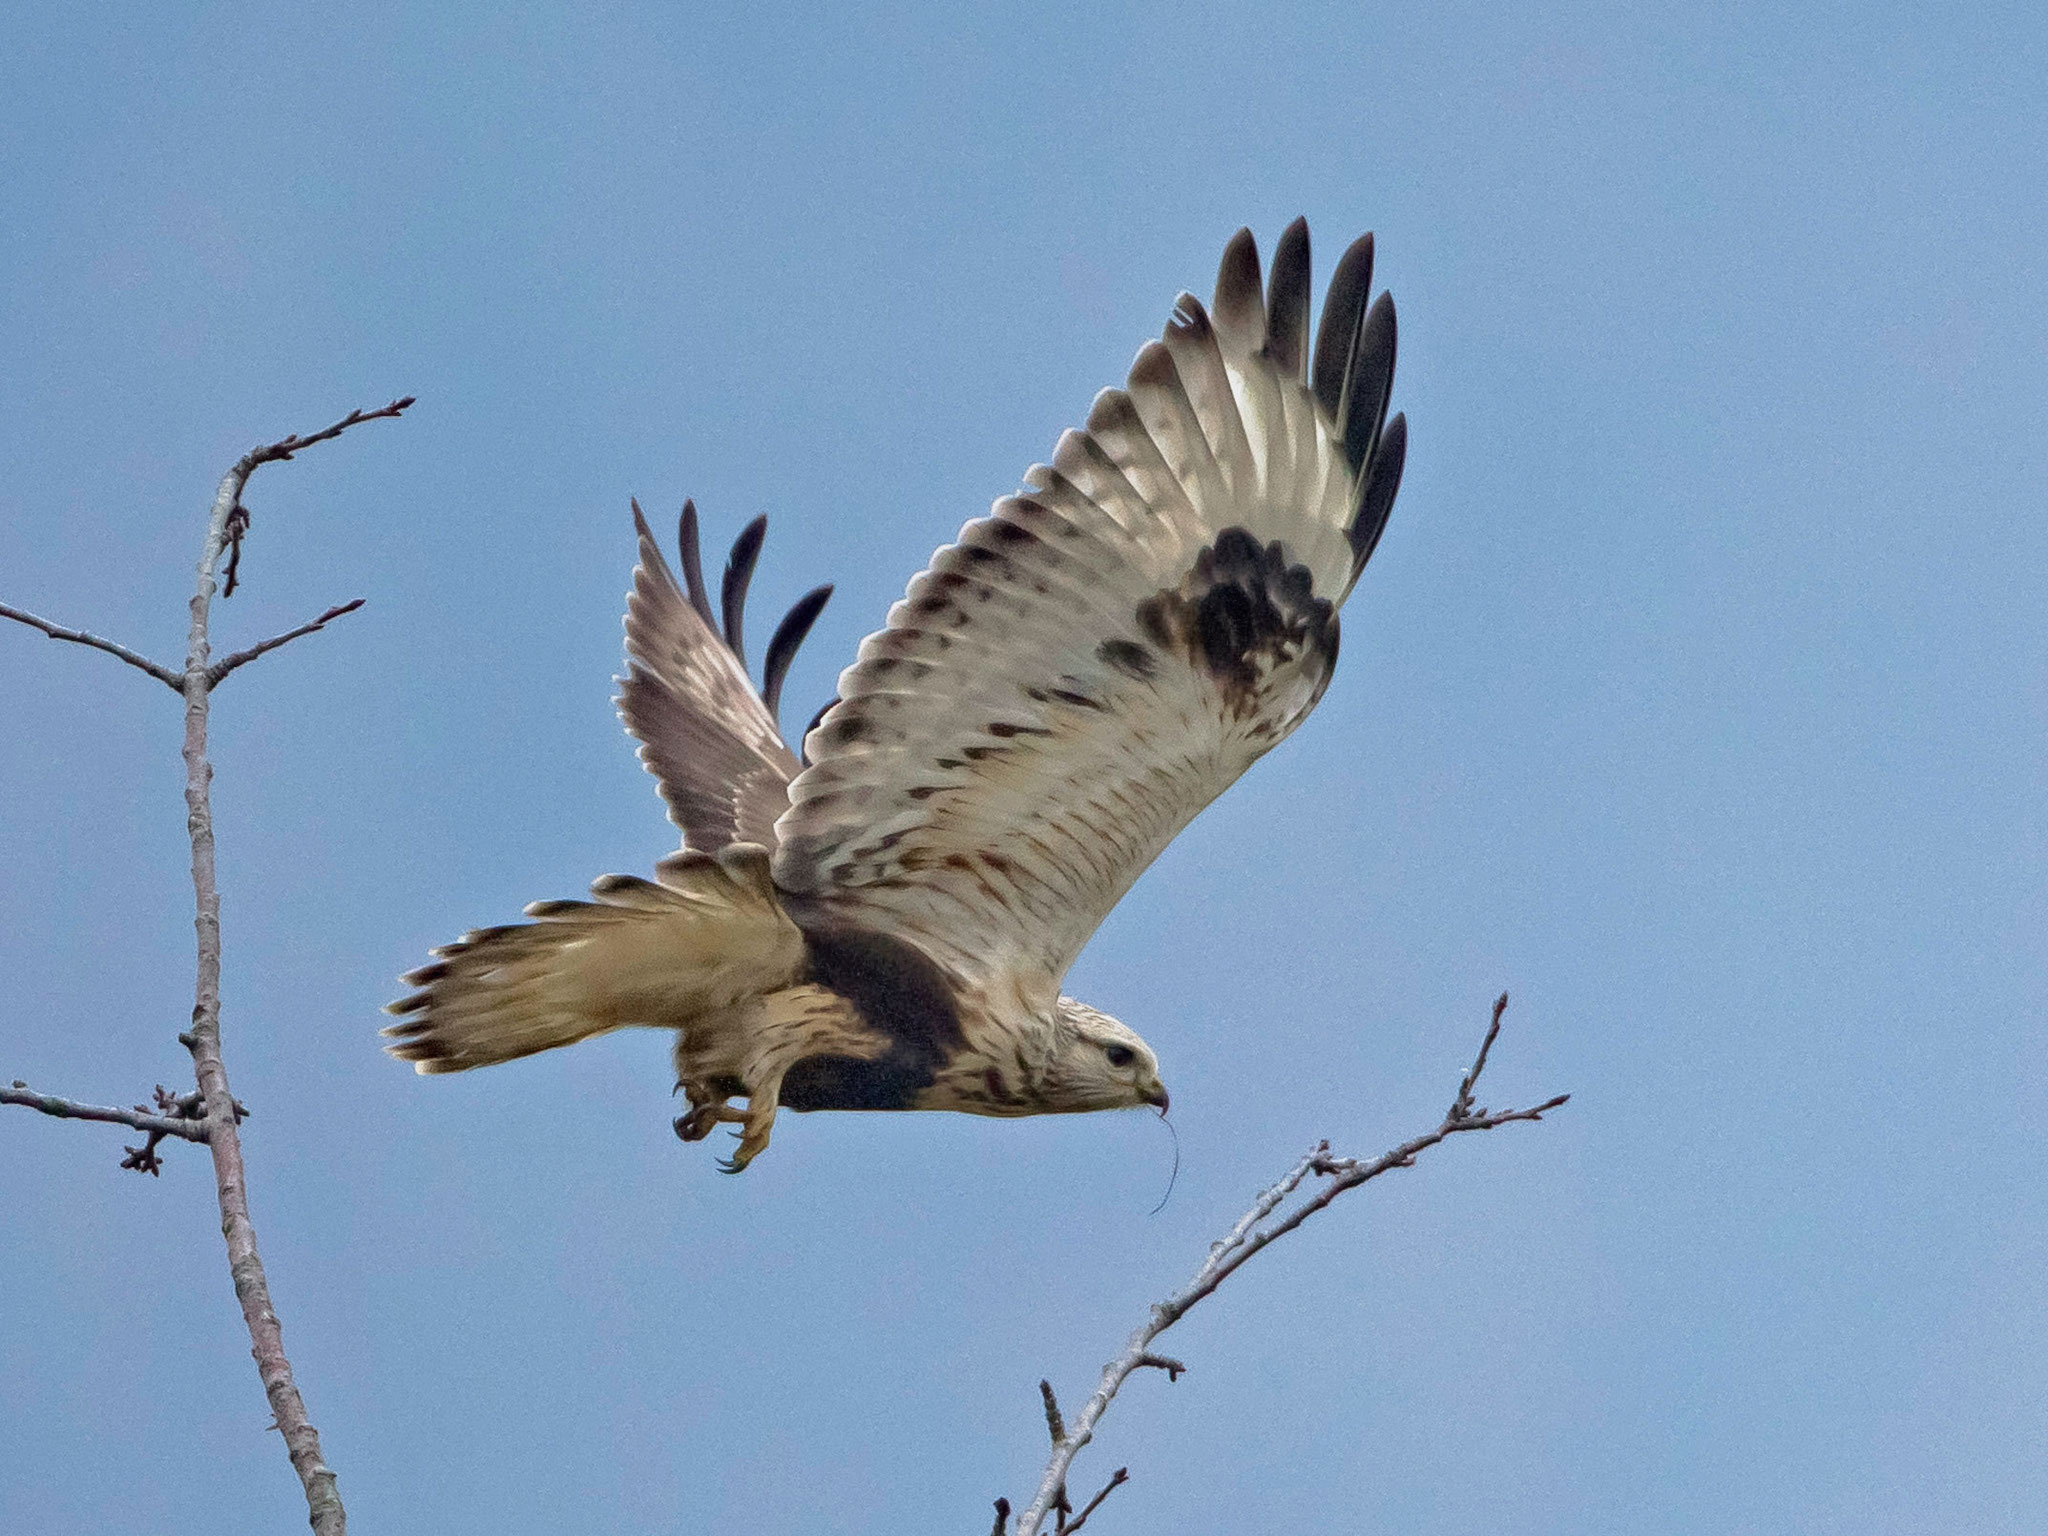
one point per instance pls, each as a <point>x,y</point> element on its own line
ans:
<point>155,669</point>
<point>138,1118</point>
<point>227,664</point>
<point>1244,1240</point>
<point>1117,1479</point>
<point>285,447</point>
<point>211,1115</point>
<point>245,1265</point>
<point>235,522</point>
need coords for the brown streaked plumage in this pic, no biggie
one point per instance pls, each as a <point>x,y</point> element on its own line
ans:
<point>883,921</point>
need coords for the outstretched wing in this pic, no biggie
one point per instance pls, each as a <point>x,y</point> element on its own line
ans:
<point>711,742</point>
<point>1061,691</point>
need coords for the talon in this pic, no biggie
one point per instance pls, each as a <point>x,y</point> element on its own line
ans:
<point>757,1124</point>
<point>698,1123</point>
<point>708,1108</point>
<point>742,1155</point>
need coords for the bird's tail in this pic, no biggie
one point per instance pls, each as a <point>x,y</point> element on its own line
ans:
<point>705,934</point>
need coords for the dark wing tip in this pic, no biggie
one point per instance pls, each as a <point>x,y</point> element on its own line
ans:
<point>1239,308</point>
<point>1337,336</point>
<point>1376,495</point>
<point>739,571</point>
<point>1369,382</point>
<point>1287,297</point>
<point>789,634</point>
<point>693,565</point>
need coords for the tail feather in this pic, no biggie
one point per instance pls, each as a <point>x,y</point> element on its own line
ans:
<point>702,938</point>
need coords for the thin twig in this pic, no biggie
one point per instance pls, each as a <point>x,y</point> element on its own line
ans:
<point>1117,1479</point>
<point>176,1114</point>
<point>235,523</point>
<point>227,664</point>
<point>285,447</point>
<point>1461,1106</point>
<point>1247,1238</point>
<point>155,669</point>
<point>138,1119</point>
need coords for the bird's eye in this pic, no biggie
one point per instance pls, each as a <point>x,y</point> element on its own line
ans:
<point>1119,1055</point>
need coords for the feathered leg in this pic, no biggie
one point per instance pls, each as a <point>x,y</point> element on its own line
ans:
<point>709,1109</point>
<point>748,1050</point>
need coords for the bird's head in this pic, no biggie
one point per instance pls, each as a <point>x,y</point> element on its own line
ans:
<point>1099,1063</point>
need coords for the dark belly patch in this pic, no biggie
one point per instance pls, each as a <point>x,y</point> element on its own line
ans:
<point>899,993</point>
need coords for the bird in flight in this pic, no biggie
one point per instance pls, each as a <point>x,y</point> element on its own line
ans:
<point>881,919</point>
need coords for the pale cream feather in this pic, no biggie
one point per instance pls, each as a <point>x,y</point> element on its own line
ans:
<point>684,949</point>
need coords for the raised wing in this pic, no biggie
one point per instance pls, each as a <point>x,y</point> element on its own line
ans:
<point>711,742</point>
<point>1061,691</point>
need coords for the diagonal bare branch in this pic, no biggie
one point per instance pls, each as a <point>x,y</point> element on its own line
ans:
<point>227,664</point>
<point>155,669</point>
<point>1245,1239</point>
<point>285,447</point>
<point>1117,1479</point>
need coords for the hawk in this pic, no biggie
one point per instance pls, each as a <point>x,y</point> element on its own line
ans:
<point>881,919</point>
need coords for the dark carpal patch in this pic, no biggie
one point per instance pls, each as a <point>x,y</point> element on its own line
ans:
<point>1240,611</point>
<point>899,992</point>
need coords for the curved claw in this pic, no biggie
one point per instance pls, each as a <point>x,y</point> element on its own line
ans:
<point>756,1124</point>
<point>698,1123</point>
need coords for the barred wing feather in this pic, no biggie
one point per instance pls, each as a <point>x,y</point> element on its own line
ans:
<point>1069,684</point>
<point>711,742</point>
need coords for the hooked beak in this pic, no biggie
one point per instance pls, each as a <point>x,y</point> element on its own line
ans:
<point>1154,1093</point>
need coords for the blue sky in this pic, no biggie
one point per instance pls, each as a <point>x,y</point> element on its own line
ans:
<point>1695,696</point>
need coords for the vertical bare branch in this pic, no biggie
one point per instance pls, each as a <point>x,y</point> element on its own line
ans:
<point>252,1288</point>
<point>211,1115</point>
